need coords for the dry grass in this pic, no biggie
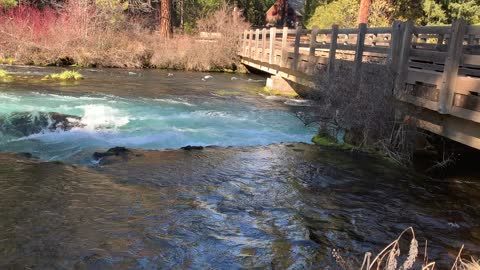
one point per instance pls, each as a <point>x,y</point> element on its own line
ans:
<point>392,258</point>
<point>85,34</point>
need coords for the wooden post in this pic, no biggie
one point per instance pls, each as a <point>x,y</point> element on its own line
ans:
<point>440,39</point>
<point>264,44</point>
<point>333,49</point>
<point>403,60</point>
<point>244,43</point>
<point>284,60</point>
<point>312,60</point>
<point>471,40</point>
<point>450,71</point>
<point>250,44</point>
<point>357,62</point>
<point>273,35</point>
<point>296,49</point>
<point>257,35</point>
<point>313,40</point>
<point>395,46</point>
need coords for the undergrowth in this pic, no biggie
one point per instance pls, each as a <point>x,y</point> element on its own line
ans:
<point>81,33</point>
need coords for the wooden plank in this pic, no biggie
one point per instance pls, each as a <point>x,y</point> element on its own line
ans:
<point>379,30</point>
<point>357,62</point>
<point>431,30</point>
<point>348,31</point>
<point>264,44</point>
<point>457,129</point>
<point>473,30</point>
<point>465,114</point>
<point>466,85</point>
<point>427,66</point>
<point>284,58</point>
<point>313,41</point>
<point>250,43</point>
<point>245,34</point>
<point>468,59</point>
<point>423,76</point>
<point>468,71</point>
<point>469,102</point>
<point>419,102</point>
<point>257,45</point>
<point>403,72</point>
<point>273,33</point>
<point>395,46</point>
<point>296,49</point>
<point>427,55</point>
<point>333,49</point>
<point>450,72</point>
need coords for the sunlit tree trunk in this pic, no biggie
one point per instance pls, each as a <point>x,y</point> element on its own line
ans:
<point>166,30</point>
<point>364,11</point>
<point>182,14</point>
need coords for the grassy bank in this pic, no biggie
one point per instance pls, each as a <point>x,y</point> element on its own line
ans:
<point>82,34</point>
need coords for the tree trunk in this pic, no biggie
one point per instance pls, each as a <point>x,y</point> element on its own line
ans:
<point>364,11</point>
<point>182,15</point>
<point>166,30</point>
<point>285,13</point>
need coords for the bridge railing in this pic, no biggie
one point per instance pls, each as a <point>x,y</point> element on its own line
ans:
<point>436,67</point>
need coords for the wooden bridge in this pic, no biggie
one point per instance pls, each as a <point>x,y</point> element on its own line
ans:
<point>437,68</point>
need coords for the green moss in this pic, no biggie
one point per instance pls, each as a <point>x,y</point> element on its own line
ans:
<point>274,92</point>
<point>4,73</point>
<point>324,139</point>
<point>227,93</point>
<point>5,76</point>
<point>65,76</point>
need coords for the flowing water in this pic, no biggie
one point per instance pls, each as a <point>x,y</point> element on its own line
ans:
<point>260,197</point>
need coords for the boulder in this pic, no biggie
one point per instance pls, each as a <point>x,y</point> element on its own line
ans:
<point>22,124</point>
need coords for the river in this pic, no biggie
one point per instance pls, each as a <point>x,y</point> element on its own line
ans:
<point>259,195</point>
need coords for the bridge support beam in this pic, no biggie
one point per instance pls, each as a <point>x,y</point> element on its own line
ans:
<point>280,85</point>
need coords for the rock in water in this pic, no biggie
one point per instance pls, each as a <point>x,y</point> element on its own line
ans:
<point>20,124</point>
<point>115,151</point>
<point>190,147</point>
<point>115,155</point>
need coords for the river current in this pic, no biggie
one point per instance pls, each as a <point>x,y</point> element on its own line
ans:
<point>259,196</point>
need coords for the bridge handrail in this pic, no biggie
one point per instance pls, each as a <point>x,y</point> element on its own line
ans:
<point>444,58</point>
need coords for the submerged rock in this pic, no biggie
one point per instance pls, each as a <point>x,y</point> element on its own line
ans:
<point>114,155</point>
<point>115,151</point>
<point>191,147</point>
<point>22,124</point>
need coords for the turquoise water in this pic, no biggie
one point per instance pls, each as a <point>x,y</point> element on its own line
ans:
<point>150,122</point>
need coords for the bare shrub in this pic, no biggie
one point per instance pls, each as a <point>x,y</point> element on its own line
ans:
<point>365,109</point>
<point>195,52</point>
<point>87,34</point>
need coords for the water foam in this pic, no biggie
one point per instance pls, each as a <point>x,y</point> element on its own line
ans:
<point>102,117</point>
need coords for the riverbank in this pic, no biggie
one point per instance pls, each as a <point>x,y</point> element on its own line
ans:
<point>81,34</point>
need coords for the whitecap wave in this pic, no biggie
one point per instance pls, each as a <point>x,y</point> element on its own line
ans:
<point>102,117</point>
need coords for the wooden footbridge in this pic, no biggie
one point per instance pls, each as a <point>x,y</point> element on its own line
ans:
<point>437,68</point>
